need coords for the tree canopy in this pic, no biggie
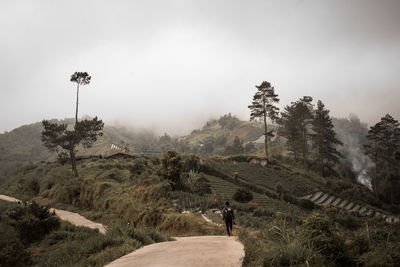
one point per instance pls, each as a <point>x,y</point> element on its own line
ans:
<point>324,140</point>
<point>58,137</point>
<point>263,107</point>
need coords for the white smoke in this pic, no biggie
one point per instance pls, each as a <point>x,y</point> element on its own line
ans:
<point>352,133</point>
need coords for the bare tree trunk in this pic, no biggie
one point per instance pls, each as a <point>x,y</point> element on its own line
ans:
<point>266,136</point>
<point>376,171</point>
<point>73,162</point>
<point>77,101</point>
<point>72,151</point>
<point>303,146</point>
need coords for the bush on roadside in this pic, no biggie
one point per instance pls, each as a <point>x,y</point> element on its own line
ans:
<point>319,231</point>
<point>242,195</point>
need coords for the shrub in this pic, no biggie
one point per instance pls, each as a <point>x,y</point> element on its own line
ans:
<point>307,204</point>
<point>254,249</point>
<point>191,163</point>
<point>197,183</point>
<point>289,198</point>
<point>150,217</point>
<point>260,212</point>
<point>63,158</point>
<point>12,251</point>
<point>242,195</point>
<point>201,186</point>
<point>349,221</point>
<point>138,166</point>
<point>171,166</point>
<point>360,244</point>
<point>32,184</point>
<point>140,235</point>
<point>34,222</point>
<point>318,230</point>
<point>31,223</point>
<point>294,254</point>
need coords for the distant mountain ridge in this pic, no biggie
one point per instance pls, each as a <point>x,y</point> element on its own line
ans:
<point>23,144</point>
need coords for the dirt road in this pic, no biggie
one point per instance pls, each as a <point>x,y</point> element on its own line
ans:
<point>196,251</point>
<point>68,216</point>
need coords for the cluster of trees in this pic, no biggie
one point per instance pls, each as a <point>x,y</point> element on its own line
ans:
<point>309,132</point>
<point>383,147</point>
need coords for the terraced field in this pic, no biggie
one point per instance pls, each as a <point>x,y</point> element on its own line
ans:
<point>324,199</point>
<point>224,190</point>
<point>267,177</point>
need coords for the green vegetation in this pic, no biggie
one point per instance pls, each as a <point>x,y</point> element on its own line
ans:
<point>134,190</point>
<point>295,124</point>
<point>277,227</point>
<point>319,240</point>
<point>242,195</point>
<point>324,140</point>
<point>58,136</point>
<point>30,235</point>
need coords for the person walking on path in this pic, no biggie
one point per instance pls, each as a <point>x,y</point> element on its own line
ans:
<point>228,217</point>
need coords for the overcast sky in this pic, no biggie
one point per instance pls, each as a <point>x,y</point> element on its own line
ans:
<point>171,65</point>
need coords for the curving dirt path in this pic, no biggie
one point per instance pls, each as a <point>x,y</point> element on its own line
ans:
<point>68,216</point>
<point>78,220</point>
<point>195,251</point>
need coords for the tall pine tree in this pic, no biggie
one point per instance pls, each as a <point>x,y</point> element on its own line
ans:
<point>58,137</point>
<point>295,125</point>
<point>383,146</point>
<point>288,128</point>
<point>263,107</point>
<point>324,139</point>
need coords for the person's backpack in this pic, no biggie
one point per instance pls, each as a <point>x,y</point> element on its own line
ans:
<point>227,213</point>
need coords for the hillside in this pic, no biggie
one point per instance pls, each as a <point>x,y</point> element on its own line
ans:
<point>273,225</point>
<point>23,144</point>
<point>214,137</point>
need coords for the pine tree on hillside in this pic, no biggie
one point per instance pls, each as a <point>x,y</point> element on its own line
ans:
<point>383,146</point>
<point>263,107</point>
<point>373,150</point>
<point>324,138</point>
<point>288,128</point>
<point>57,136</point>
<point>80,78</point>
<point>304,114</point>
<point>295,125</point>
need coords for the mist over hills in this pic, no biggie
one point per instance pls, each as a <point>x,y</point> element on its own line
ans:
<point>23,144</point>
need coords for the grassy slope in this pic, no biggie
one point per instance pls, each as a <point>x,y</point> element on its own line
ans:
<point>68,245</point>
<point>247,131</point>
<point>132,190</point>
<point>107,189</point>
<point>275,233</point>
